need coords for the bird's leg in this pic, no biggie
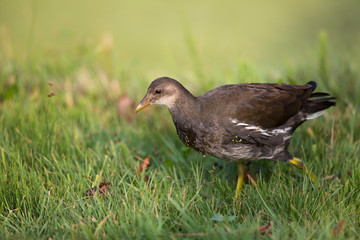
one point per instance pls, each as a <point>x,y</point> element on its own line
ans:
<point>240,180</point>
<point>300,164</point>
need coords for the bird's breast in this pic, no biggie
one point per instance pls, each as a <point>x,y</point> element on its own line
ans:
<point>193,135</point>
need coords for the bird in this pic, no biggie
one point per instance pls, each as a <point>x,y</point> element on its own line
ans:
<point>240,123</point>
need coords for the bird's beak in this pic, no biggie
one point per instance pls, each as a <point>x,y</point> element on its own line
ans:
<point>143,104</point>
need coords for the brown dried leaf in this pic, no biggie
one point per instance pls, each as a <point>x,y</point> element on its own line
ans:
<point>143,167</point>
<point>125,108</point>
<point>90,191</point>
<point>145,164</point>
<point>336,230</point>
<point>265,229</point>
<point>102,189</point>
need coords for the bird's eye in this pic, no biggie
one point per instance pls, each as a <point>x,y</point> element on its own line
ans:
<point>157,91</point>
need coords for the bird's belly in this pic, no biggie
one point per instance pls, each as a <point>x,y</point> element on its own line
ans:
<point>237,153</point>
<point>211,143</point>
<point>217,143</point>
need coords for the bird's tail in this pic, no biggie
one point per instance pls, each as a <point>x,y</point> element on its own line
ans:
<point>317,103</point>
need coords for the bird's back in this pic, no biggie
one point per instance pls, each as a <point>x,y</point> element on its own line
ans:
<point>266,105</point>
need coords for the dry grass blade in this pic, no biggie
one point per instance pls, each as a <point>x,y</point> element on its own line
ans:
<point>251,180</point>
<point>331,177</point>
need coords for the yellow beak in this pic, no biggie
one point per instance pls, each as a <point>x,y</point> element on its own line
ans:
<point>143,104</point>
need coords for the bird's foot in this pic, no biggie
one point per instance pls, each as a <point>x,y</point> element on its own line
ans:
<point>300,164</point>
<point>240,180</point>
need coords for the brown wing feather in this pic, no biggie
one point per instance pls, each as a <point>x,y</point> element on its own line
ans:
<point>265,105</point>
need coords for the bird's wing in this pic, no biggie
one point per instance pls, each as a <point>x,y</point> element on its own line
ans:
<point>264,105</point>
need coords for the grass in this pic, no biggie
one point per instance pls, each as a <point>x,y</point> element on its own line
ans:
<point>61,135</point>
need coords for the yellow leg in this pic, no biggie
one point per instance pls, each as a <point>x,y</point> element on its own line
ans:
<point>300,164</point>
<point>240,180</point>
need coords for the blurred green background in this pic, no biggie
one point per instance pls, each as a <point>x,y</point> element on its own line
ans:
<point>162,37</point>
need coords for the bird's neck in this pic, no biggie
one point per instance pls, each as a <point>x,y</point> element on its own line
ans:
<point>185,109</point>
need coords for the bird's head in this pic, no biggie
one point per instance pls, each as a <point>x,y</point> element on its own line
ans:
<point>163,91</point>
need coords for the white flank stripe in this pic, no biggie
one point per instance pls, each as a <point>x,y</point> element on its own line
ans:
<point>277,131</point>
<point>314,115</point>
<point>238,123</point>
<point>287,137</point>
<point>253,127</point>
<point>263,132</point>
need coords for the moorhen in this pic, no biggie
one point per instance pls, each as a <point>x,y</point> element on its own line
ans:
<point>240,123</point>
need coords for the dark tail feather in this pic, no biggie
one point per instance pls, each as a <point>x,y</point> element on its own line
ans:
<point>319,94</point>
<point>319,104</point>
<point>318,101</point>
<point>313,85</point>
